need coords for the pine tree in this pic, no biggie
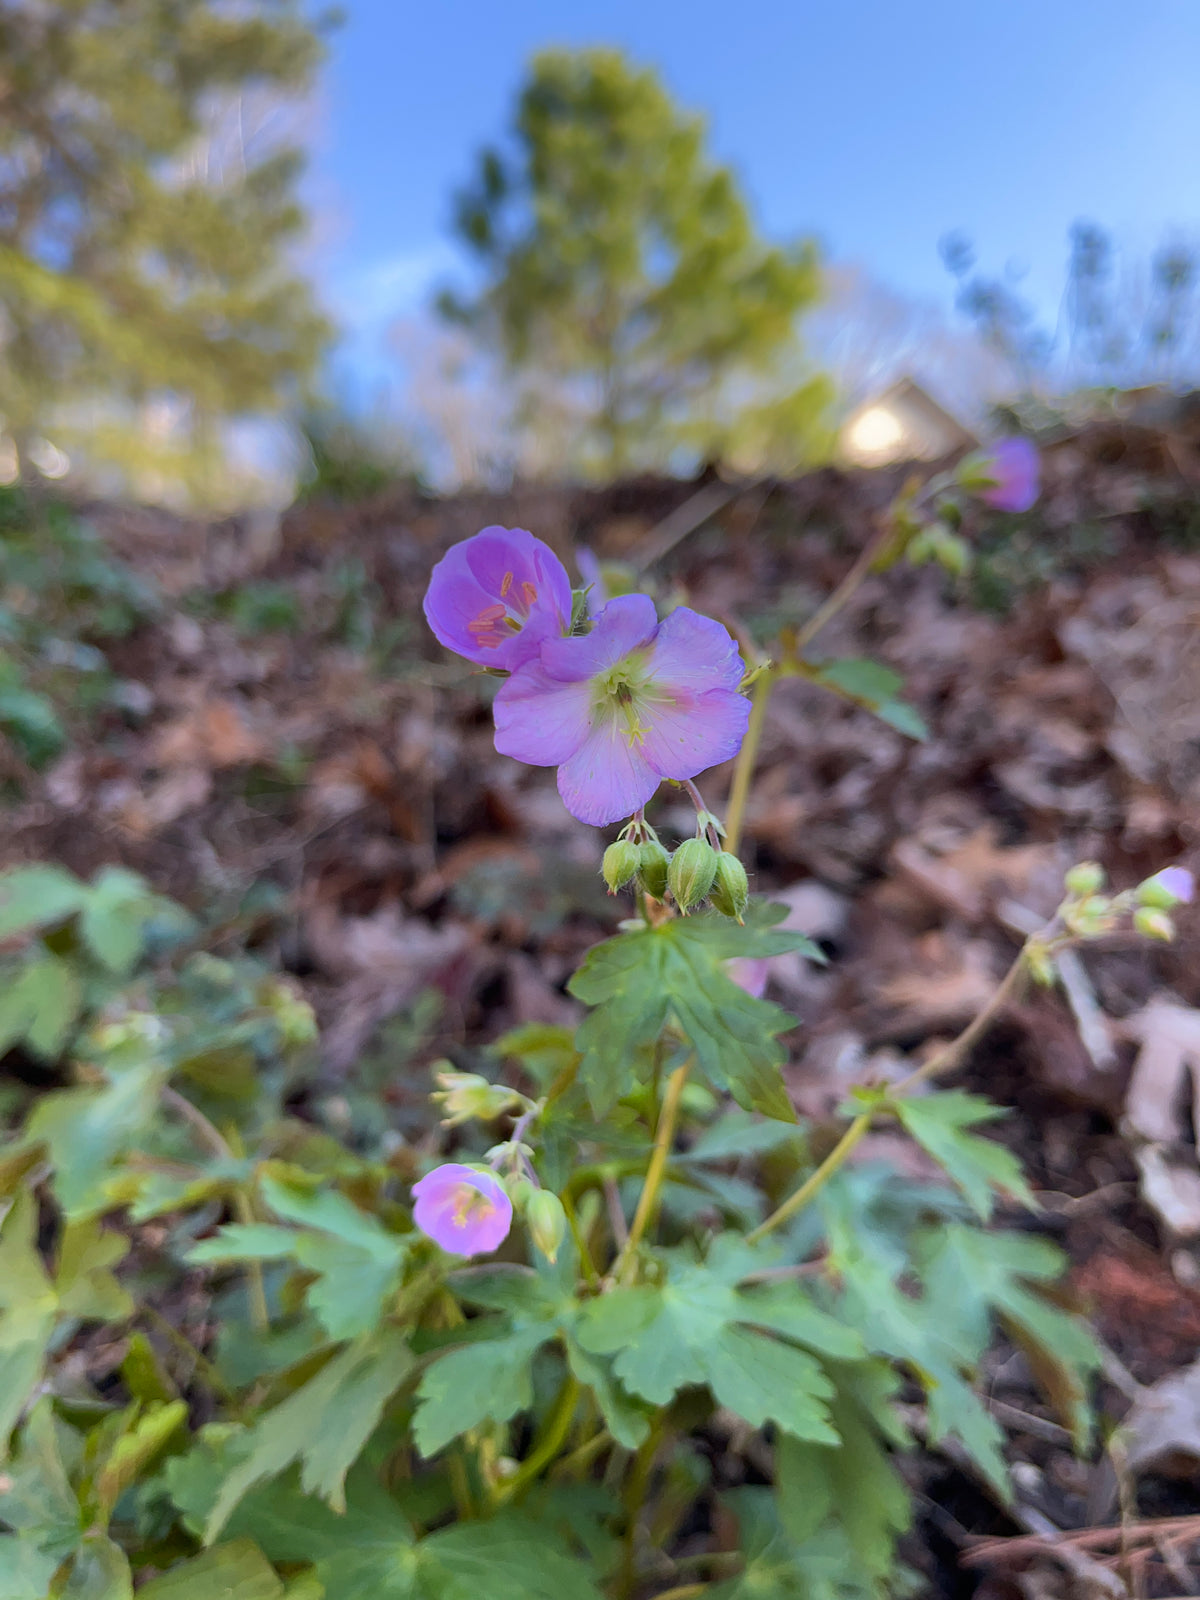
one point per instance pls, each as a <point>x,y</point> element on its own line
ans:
<point>144,234</point>
<point>623,278</point>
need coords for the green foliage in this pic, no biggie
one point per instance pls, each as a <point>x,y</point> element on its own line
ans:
<point>62,597</point>
<point>676,972</point>
<point>874,687</point>
<point>624,277</point>
<point>149,213</point>
<point>938,1122</point>
<point>390,1422</point>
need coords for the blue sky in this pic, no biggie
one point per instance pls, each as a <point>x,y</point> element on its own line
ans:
<point>875,126</point>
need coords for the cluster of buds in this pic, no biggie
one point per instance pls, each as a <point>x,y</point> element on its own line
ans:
<point>466,1097</point>
<point>926,520</point>
<point>1088,912</point>
<point>697,871</point>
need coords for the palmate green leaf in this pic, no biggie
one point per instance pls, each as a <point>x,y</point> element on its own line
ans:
<point>638,981</point>
<point>234,1571</point>
<point>324,1425</point>
<point>920,1332</point>
<point>28,1312</point>
<point>699,1328</point>
<point>86,1130</point>
<point>490,1379</point>
<point>358,1262</point>
<point>40,1002</point>
<point>1004,1272</point>
<point>116,913</point>
<point>939,1123</point>
<point>854,1487</point>
<point>371,1552</point>
<point>37,897</point>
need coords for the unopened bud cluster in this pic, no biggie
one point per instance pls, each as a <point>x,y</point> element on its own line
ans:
<point>695,873</point>
<point>1088,912</point>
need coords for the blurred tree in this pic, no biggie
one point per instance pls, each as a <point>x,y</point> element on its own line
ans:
<point>623,277</point>
<point>146,211</point>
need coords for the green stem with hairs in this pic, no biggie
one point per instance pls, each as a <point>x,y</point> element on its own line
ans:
<point>664,1137</point>
<point>941,1061</point>
<point>549,1443</point>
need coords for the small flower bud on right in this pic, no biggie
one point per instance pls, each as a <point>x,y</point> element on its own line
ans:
<point>546,1221</point>
<point>1086,878</point>
<point>653,863</point>
<point>1153,924</point>
<point>619,865</point>
<point>691,873</point>
<point>1171,887</point>
<point>731,887</point>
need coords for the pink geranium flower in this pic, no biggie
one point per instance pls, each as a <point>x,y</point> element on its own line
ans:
<point>494,597</point>
<point>1015,469</point>
<point>625,706</point>
<point>464,1210</point>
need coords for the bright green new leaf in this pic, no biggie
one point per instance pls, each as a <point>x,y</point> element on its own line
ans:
<point>39,1004</point>
<point>939,1123</point>
<point>88,1129</point>
<point>323,1425</point>
<point>118,907</point>
<point>147,1436</point>
<point>28,1311</point>
<point>37,897</point>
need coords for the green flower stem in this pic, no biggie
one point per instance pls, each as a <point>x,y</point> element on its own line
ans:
<point>684,1591</point>
<point>664,1137</point>
<point>579,1460</point>
<point>550,1442</point>
<point>817,1180</point>
<point>634,1498</point>
<point>941,1061</point>
<point>581,1245</point>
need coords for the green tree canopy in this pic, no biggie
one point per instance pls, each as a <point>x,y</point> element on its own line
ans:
<point>623,277</point>
<point>146,212</point>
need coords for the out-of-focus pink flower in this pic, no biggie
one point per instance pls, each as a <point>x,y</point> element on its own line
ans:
<point>1015,470</point>
<point>464,1210</point>
<point>494,597</point>
<point>749,973</point>
<point>1173,886</point>
<point>625,706</point>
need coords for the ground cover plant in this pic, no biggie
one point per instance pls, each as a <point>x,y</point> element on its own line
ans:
<point>630,1329</point>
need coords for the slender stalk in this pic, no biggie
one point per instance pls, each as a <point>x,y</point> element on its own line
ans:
<point>664,1137</point>
<point>815,1181</point>
<point>550,1442</point>
<point>942,1061</point>
<point>581,1244</point>
<point>684,1591</point>
<point>633,1497</point>
<point>845,590</point>
<point>207,1133</point>
<point>744,771</point>
<point>203,1366</point>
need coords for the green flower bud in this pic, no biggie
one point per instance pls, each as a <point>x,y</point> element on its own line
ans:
<point>951,553</point>
<point>1153,924</point>
<point>653,862</point>
<point>466,1096</point>
<point>691,873</point>
<point>546,1221</point>
<point>731,887</point>
<point>1086,878</point>
<point>619,865</point>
